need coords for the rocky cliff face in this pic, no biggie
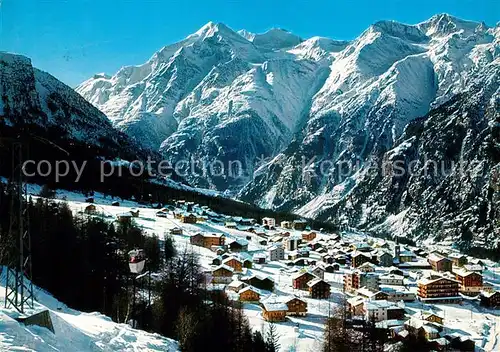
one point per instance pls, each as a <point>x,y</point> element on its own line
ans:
<point>441,179</point>
<point>35,104</point>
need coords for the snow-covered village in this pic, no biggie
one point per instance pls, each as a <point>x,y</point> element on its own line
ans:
<point>289,276</point>
<point>249,176</point>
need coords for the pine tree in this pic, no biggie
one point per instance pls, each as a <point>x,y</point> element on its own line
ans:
<point>169,248</point>
<point>272,338</point>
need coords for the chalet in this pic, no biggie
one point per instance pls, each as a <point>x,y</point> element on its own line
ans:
<point>234,263</point>
<point>292,255</point>
<point>471,283</point>
<point>247,263</point>
<point>438,289</point>
<point>308,236</point>
<point>217,261</point>
<point>432,317</point>
<point>474,268</point>
<point>321,250</point>
<point>236,286</point>
<point>222,274</point>
<point>207,240</point>
<point>406,256</point>
<point>359,258</point>
<point>391,279</point>
<point>327,258</point>
<point>238,245</point>
<point>286,224</point>
<point>219,250</point>
<point>188,218</point>
<point>124,218</point>
<point>490,299</point>
<point>458,259</point>
<point>341,259</point>
<point>367,267</point>
<point>381,244</point>
<point>276,252</point>
<point>385,259</point>
<point>260,282</point>
<point>248,294</point>
<point>299,225</point>
<point>300,280</point>
<point>361,247</point>
<point>382,310</point>
<point>315,246</point>
<point>271,222</point>
<point>299,262</point>
<point>274,312</point>
<point>396,271</point>
<point>296,306</point>
<point>259,258</point>
<point>397,293</point>
<point>115,203</point>
<point>90,209</point>
<point>356,305</point>
<point>319,289</point>
<point>175,231</point>
<point>428,332</point>
<point>319,272</point>
<point>331,268</point>
<point>276,239</point>
<point>246,222</point>
<point>372,295</point>
<point>230,224</point>
<point>439,263</point>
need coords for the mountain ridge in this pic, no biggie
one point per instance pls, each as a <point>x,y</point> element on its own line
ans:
<point>268,104</point>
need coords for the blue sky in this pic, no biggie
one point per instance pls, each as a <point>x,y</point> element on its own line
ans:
<point>74,39</point>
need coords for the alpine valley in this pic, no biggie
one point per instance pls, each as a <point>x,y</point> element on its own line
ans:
<point>425,95</point>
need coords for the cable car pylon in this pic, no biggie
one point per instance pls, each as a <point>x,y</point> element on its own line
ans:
<point>18,287</point>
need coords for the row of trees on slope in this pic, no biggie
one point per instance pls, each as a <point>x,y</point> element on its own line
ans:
<point>82,261</point>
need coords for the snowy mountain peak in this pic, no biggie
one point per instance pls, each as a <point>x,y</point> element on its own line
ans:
<point>226,95</point>
<point>246,34</point>
<point>445,24</point>
<point>212,28</point>
<point>276,38</point>
<point>317,48</point>
<point>400,30</point>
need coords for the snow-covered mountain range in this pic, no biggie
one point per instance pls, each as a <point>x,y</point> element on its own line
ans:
<point>274,101</point>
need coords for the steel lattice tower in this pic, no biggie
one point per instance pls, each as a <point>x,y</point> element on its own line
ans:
<point>18,288</point>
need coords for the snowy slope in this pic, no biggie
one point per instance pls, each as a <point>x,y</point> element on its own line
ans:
<point>74,331</point>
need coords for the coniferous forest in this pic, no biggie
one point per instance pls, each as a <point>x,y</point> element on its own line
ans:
<point>83,262</point>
